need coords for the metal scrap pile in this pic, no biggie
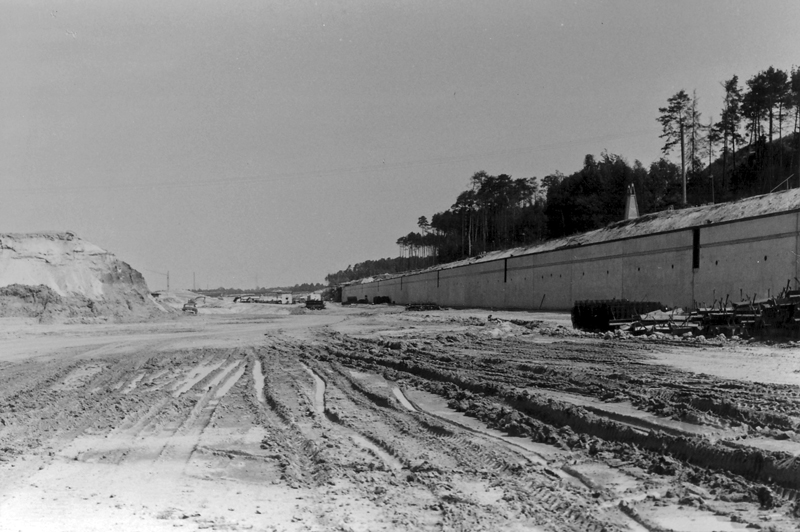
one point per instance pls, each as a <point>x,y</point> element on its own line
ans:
<point>778,315</point>
<point>422,306</point>
<point>604,315</point>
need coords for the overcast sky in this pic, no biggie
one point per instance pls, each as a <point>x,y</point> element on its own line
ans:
<point>275,142</point>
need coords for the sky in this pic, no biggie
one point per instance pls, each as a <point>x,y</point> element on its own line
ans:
<point>269,143</point>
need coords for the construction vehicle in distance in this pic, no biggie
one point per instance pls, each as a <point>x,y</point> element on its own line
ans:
<point>190,307</point>
<point>314,302</point>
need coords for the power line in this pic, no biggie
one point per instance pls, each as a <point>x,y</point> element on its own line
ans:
<point>160,273</point>
<point>258,179</point>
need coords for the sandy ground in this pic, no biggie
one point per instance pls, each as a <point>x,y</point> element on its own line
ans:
<point>261,417</point>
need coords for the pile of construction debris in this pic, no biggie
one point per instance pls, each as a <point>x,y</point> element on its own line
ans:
<point>777,316</point>
<point>415,307</point>
<point>609,314</point>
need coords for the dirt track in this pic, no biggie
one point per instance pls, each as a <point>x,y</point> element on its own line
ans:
<point>354,419</point>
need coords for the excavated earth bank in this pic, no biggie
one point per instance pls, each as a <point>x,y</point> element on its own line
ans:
<point>60,277</point>
<point>371,418</point>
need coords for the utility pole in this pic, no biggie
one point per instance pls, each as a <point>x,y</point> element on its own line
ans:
<point>164,274</point>
<point>193,282</point>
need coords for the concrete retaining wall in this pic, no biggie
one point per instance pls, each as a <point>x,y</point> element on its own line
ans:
<point>747,257</point>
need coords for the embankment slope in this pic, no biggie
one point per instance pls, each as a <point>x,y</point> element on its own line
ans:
<point>59,276</point>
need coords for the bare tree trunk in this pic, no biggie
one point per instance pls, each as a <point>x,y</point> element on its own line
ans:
<point>770,115</point>
<point>724,158</point>
<point>463,234</point>
<point>733,149</point>
<point>469,236</point>
<point>485,228</point>
<point>683,163</point>
<point>796,131</point>
<point>710,173</point>
<point>780,142</point>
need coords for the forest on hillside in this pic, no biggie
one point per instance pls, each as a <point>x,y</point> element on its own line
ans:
<point>753,148</point>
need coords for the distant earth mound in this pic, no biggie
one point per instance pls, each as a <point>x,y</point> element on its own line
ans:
<point>60,277</point>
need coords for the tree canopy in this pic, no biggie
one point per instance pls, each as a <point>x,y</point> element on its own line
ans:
<point>753,148</point>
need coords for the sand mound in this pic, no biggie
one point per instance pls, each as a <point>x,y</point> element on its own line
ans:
<point>175,299</point>
<point>58,276</point>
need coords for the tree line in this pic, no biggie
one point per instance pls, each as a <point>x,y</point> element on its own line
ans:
<point>752,148</point>
<point>260,290</point>
<point>370,268</point>
<point>763,115</point>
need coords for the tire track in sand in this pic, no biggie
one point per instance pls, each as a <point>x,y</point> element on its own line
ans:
<point>359,439</point>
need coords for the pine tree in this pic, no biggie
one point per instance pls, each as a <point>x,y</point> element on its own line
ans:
<point>696,129</point>
<point>673,122</point>
<point>730,121</point>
